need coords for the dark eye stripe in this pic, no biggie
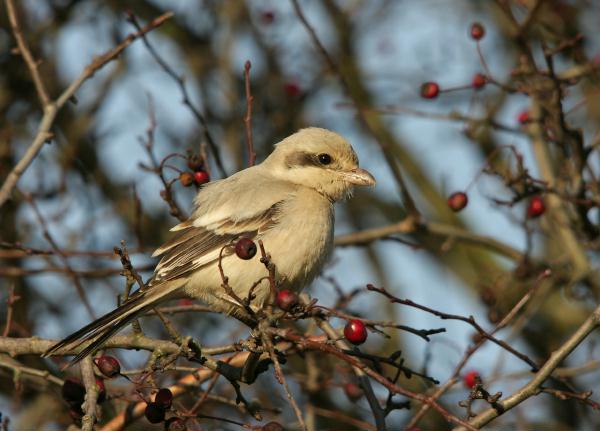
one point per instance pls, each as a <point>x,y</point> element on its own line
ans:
<point>302,158</point>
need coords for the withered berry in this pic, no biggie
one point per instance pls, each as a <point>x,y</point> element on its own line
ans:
<point>186,179</point>
<point>164,398</point>
<point>108,365</point>
<point>154,413</point>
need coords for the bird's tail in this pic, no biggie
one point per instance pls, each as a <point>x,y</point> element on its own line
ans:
<point>100,330</point>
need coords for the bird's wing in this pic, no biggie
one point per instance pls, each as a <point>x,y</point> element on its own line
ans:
<point>225,211</point>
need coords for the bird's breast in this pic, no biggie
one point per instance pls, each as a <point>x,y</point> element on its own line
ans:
<point>302,241</point>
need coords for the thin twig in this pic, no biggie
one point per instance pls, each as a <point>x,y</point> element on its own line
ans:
<point>407,198</point>
<point>52,108</point>
<point>12,298</point>
<point>248,116</point>
<point>91,394</point>
<point>282,380</point>
<point>445,316</point>
<point>69,269</point>
<point>216,152</point>
<point>31,63</point>
<point>533,387</point>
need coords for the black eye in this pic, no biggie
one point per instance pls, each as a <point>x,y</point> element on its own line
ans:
<point>324,159</point>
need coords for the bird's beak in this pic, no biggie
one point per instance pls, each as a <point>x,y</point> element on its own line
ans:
<point>359,177</point>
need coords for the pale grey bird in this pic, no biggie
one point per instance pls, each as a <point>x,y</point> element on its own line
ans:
<point>286,201</point>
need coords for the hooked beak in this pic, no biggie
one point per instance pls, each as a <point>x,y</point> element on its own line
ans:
<point>359,177</point>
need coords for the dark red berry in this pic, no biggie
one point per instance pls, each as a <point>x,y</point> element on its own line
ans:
<point>479,81</point>
<point>108,365</point>
<point>201,177</point>
<point>292,89</point>
<point>267,17</point>
<point>73,391</point>
<point>477,31</point>
<point>272,426</point>
<point>154,413</point>
<point>76,414</point>
<point>457,201</point>
<point>164,398</point>
<point>470,379</point>
<point>245,248</point>
<point>286,299</point>
<point>523,117</point>
<point>195,162</point>
<point>355,331</point>
<point>536,207</point>
<point>101,390</point>
<point>186,179</point>
<point>430,90</point>
<point>175,424</point>
<point>353,391</point>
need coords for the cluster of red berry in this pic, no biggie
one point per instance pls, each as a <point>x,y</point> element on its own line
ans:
<point>156,410</point>
<point>431,90</point>
<point>198,174</point>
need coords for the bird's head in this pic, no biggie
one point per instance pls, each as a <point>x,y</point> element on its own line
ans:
<point>319,159</point>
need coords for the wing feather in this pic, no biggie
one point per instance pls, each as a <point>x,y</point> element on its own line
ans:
<point>193,247</point>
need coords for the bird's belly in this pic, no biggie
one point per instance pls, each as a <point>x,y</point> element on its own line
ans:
<point>298,246</point>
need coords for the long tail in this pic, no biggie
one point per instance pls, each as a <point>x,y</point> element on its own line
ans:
<point>100,330</point>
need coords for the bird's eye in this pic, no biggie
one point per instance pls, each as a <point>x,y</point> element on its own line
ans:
<point>324,159</point>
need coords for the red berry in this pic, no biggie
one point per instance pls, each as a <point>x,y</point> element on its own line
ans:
<point>286,299</point>
<point>73,391</point>
<point>479,81</point>
<point>477,31</point>
<point>186,179</point>
<point>355,331</point>
<point>245,248</point>
<point>536,207</point>
<point>430,90</point>
<point>201,177</point>
<point>457,201</point>
<point>185,302</point>
<point>76,414</point>
<point>272,426</point>
<point>164,398</point>
<point>267,16</point>
<point>470,379</point>
<point>523,117</point>
<point>292,89</point>
<point>108,365</point>
<point>195,162</point>
<point>154,413</point>
<point>101,390</point>
<point>353,391</point>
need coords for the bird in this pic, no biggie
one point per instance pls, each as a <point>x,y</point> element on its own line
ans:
<point>286,202</point>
